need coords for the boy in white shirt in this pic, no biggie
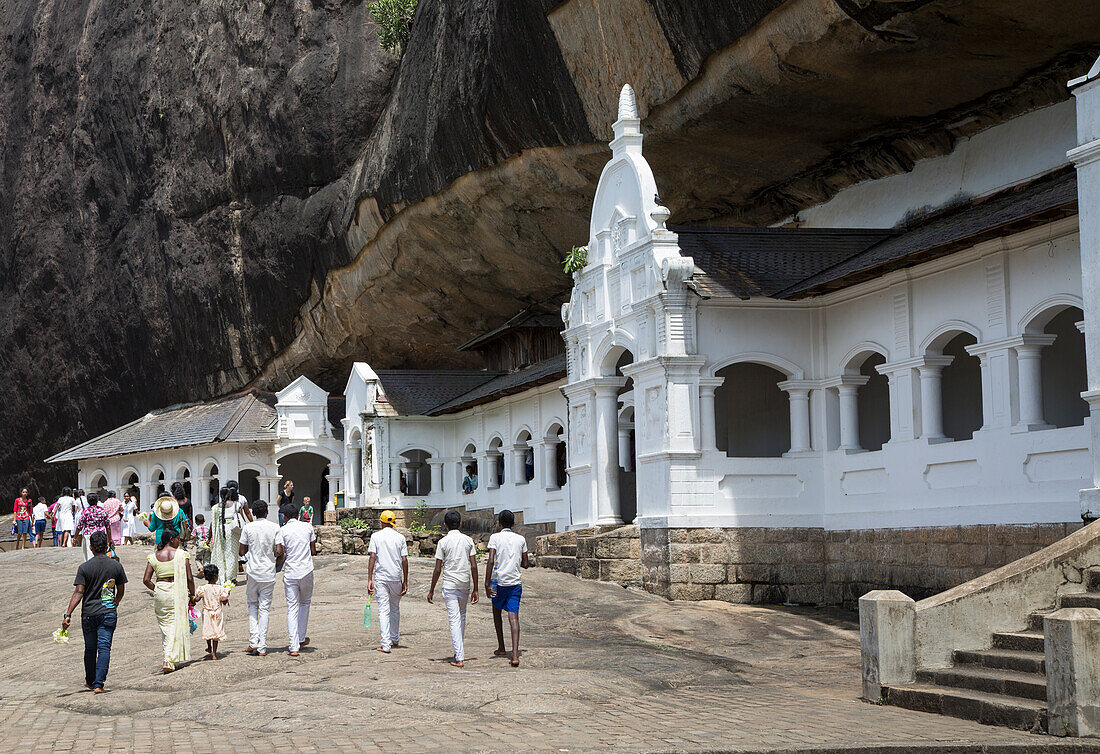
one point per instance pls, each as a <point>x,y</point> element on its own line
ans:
<point>295,546</point>
<point>456,560</point>
<point>258,547</point>
<point>507,553</point>
<point>390,556</point>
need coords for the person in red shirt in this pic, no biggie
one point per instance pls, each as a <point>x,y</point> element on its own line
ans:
<point>23,507</point>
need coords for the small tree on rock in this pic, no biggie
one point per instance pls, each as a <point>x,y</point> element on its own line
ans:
<point>394,19</point>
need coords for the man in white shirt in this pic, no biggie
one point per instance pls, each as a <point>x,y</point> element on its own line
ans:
<point>507,554</point>
<point>295,546</point>
<point>388,578</point>
<point>456,560</point>
<point>258,548</point>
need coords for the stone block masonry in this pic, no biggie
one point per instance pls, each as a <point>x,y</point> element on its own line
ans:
<point>815,566</point>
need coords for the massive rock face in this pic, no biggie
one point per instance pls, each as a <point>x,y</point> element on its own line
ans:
<point>198,196</point>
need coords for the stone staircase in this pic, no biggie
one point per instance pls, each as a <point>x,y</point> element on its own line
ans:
<point>606,553</point>
<point>1003,685</point>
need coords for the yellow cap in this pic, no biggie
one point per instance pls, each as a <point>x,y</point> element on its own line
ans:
<point>388,517</point>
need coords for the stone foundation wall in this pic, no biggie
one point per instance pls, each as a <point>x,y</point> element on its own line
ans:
<point>814,566</point>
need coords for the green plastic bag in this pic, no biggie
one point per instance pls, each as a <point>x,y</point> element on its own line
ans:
<point>366,613</point>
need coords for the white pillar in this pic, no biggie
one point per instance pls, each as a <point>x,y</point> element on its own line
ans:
<point>1029,362</point>
<point>707,386</point>
<point>798,391</point>
<point>547,471</point>
<point>849,417</point>
<point>437,477</point>
<point>626,458</point>
<point>519,470</point>
<point>395,476</point>
<point>607,451</point>
<point>1086,157</point>
<point>492,462</point>
<point>931,396</point>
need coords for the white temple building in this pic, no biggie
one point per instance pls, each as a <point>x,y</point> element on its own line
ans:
<point>907,362</point>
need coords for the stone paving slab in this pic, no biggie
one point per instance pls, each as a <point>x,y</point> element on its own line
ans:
<point>604,669</point>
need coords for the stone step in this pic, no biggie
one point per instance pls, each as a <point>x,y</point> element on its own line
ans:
<point>1005,659</point>
<point>990,709</point>
<point>1084,599</point>
<point>1029,641</point>
<point>990,680</point>
<point>1035,620</point>
<point>1092,579</point>
<point>561,563</point>
<point>568,550</point>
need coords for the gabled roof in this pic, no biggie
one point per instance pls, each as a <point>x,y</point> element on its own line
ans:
<point>239,418</point>
<point>416,392</point>
<point>542,314</point>
<point>746,262</point>
<point>550,370</point>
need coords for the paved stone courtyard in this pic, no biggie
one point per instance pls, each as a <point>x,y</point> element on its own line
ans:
<point>604,669</point>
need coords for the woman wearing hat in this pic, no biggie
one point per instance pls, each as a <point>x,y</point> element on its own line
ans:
<point>173,590</point>
<point>166,512</point>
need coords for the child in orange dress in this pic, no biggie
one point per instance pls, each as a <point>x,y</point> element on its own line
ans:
<point>212,595</point>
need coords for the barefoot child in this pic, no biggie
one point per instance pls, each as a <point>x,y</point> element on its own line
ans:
<point>508,553</point>
<point>212,595</point>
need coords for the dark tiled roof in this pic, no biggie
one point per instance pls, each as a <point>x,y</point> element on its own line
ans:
<point>542,314</point>
<point>1010,211</point>
<point>522,379</point>
<point>746,262</point>
<point>416,392</point>
<point>238,418</point>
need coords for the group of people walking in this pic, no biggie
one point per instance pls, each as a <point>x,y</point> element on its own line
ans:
<point>73,516</point>
<point>268,548</point>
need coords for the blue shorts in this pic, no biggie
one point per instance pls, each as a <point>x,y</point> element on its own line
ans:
<point>507,598</point>
<point>23,527</point>
<point>40,527</point>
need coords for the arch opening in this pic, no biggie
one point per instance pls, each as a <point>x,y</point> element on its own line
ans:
<point>873,404</point>
<point>1062,366</point>
<point>308,471</point>
<point>961,389</point>
<point>752,415</point>
<point>416,477</point>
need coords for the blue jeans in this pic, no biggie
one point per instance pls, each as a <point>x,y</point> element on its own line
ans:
<point>99,631</point>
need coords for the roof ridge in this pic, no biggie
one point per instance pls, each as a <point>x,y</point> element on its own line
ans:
<point>236,417</point>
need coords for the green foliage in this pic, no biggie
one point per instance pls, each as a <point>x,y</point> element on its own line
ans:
<point>350,522</point>
<point>394,19</point>
<point>419,523</point>
<point>576,259</point>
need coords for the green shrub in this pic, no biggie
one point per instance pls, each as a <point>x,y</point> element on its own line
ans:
<point>394,19</point>
<point>575,260</point>
<point>350,522</point>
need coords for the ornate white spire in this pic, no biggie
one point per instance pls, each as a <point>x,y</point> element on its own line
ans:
<point>628,106</point>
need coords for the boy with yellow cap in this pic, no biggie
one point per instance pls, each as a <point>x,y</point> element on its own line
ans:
<point>388,578</point>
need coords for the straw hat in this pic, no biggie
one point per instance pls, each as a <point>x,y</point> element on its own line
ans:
<point>166,508</point>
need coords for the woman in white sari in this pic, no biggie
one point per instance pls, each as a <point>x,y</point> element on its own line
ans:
<point>173,591</point>
<point>227,518</point>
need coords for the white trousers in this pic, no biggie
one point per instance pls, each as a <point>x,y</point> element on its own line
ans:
<point>387,595</point>
<point>456,600</point>
<point>299,593</point>
<point>258,595</point>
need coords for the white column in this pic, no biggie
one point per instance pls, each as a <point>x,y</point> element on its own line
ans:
<point>931,396</point>
<point>547,471</point>
<point>395,476</point>
<point>492,461</point>
<point>437,477</point>
<point>798,391</point>
<point>626,458</point>
<point>519,470</point>
<point>1029,368</point>
<point>148,495</point>
<point>607,451</point>
<point>849,417</point>
<point>707,386</point>
<point>1086,157</point>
